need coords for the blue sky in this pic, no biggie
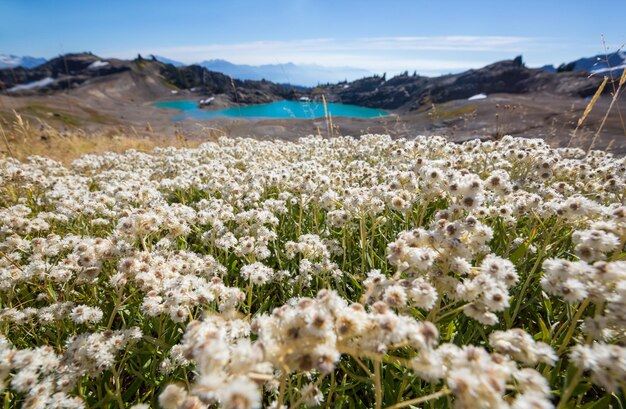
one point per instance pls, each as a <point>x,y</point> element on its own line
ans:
<point>432,37</point>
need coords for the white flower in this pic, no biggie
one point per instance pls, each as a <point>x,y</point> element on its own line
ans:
<point>172,397</point>
<point>82,314</point>
<point>240,393</point>
<point>257,273</point>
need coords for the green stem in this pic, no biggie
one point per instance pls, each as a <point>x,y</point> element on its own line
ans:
<point>300,210</point>
<point>522,294</point>
<point>333,385</point>
<point>419,400</point>
<point>377,385</point>
<point>250,298</point>
<point>573,325</point>
<point>281,390</point>
<point>363,243</point>
<point>570,388</point>
<point>116,307</point>
<point>118,388</point>
<point>453,312</point>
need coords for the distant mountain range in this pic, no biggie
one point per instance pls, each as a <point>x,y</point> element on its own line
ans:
<point>310,75</point>
<point>166,60</point>
<point>403,92</point>
<point>614,63</point>
<point>11,61</point>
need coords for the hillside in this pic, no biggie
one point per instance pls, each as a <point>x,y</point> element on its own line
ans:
<point>410,92</point>
<point>87,92</point>
<point>72,71</point>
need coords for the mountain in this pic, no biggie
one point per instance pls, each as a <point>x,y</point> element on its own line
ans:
<point>306,74</point>
<point>148,77</point>
<point>206,82</point>
<point>12,61</point>
<point>166,60</point>
<point>403,92</point>
<point>410,92</point>
<point>64,72</point>
<point>600,64</point>
<point>548,68</point>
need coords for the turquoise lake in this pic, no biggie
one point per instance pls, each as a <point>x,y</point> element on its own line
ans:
<point>280,109</point>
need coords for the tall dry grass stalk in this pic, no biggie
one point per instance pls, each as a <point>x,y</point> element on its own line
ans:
<point>328,125</point>
<point>588,109</point>
<point>6,141</point>
<point>616,95</point>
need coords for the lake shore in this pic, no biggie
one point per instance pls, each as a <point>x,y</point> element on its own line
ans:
<point>533,115</point>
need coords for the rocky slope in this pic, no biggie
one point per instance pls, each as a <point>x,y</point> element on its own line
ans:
<point>215,83</point>
<point>76,70</point>
<point>65,72</point>
<point>410,92</point>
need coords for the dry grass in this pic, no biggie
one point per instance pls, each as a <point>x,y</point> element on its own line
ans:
<point>614,99</point>
<point>21,138</point>
<point>23,133</point>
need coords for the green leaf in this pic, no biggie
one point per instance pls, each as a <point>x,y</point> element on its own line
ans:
<point>603,403</point>
<point>548,304</point>
<point>545,332</point>
<point>450,330</point>
<point>518,253</point>
<point>131,390</point>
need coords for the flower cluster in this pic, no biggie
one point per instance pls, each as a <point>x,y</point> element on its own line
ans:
<point>310,335</point>
<point>47,378</point>
<point>607,364</point>
<point>244,272</point>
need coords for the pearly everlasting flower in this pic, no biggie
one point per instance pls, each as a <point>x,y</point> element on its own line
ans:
<point>311,395</point>
<point>172,397</point>
<point>519,345</point>
<point>172,239</point>
<point>257,273</point>
<point>240,393</point>
<point>83,314</point>
<point>607,363</point>
<point>592,245</point>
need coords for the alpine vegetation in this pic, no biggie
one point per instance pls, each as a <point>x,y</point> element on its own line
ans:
<point>347,272</point>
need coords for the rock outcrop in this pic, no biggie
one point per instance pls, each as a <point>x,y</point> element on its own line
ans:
<point>68,71</point>
<point>409,92</point>
<point>73,70</point>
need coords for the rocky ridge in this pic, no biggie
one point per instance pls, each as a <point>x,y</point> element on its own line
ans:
<point>402,93</point>
<point>410,92</point>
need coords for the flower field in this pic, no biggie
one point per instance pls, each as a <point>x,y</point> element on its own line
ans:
<point>348,272</point>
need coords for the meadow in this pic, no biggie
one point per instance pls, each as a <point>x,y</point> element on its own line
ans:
<point>347,272</point>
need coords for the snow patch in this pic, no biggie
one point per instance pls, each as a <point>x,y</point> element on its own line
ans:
<point>97,64</point>
<point>477,96</point>
<point>10,60</point>
<point>32,85</point>
<point>608,69</point>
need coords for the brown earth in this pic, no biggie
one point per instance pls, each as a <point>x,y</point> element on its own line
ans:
<point>121,102</point>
